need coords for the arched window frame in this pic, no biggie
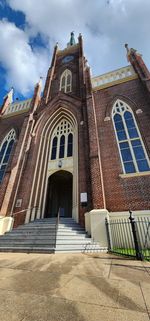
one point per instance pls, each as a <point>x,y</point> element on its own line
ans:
<point>120,107</point>
<point>65,85</point>
<point>64,128</point>
<point>11,136</point>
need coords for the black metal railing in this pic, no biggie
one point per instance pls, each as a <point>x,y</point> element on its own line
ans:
<point>130,237</point>
<point>25,210</point>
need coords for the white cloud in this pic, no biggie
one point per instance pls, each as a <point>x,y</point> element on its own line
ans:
<point>105,24</point>
<point>23,65</point>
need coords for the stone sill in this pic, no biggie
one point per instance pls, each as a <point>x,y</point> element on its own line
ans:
<point>134,174</point>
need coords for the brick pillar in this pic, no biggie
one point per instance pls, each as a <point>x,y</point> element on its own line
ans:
<point>97,186</point>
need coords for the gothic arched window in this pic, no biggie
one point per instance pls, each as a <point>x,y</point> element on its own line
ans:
<point>5,151</point>
<point>54,148</point>
<point>62,140</point>
<point>62,147</point>
<point>66,81</point>
<point>70,145</point>
<point>131,148</point>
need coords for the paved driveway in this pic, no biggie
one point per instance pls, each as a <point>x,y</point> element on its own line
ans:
<point>73,287</point>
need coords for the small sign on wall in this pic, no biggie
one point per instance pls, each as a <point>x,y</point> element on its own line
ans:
<point>18,202</point>
<point>83,199</point>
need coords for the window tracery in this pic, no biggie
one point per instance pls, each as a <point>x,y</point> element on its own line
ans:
<point>131,148</point>
<point>62,141</point>
<point>66,81</point>
<point>5,151</point>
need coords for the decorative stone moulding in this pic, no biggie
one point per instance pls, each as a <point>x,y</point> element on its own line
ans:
<point>107,118</point>
<point>114,76</point>
<point>139,111</point>
<point>18,106</point>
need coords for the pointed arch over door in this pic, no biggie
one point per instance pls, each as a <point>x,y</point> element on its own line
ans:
<point>132,151</point>
<point>5,151</point>
<point>60,131</point>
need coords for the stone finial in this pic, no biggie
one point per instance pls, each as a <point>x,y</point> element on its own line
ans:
<point>7,100</point>
<point>57,46</point>
<point>10,96</point>
<point>40,81</point>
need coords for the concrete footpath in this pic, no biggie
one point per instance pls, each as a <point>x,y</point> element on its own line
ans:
<point>73,287</point>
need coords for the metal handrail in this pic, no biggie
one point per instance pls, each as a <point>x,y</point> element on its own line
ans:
<point>22,211</point>
<point>57,223</point>
<point>147,235</point>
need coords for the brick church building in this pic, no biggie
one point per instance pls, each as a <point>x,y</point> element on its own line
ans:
<point>83,145</point>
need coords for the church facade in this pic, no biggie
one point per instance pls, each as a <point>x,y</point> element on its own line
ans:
<point>83,145</point>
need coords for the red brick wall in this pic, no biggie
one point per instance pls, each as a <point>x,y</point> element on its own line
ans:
<point>6,124</point>
<point>122,193</point>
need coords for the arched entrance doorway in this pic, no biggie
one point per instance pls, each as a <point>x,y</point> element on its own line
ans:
<point>59,194</point>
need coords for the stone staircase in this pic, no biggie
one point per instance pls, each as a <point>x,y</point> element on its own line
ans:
<point>40,236</point>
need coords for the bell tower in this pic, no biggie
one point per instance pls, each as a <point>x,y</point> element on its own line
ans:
<point>66,73</point>
<point>65,147</point>
<point>64,103</point>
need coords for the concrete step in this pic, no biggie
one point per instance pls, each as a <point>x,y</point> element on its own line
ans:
<point>33,231</point>
<point>46,232</point>
<point>38,225</point>
<point>36,242</point>
<point>42,240</point>
<point>44,220</point>
<point>62,245</point>
<point>29,235</point>
<point>73,242</point>
<point>49,220</point>
<point>76,228</point>
<point>50,249</point>
<point>71,228</point>
<point>27,249</point>
<point>40,236</point>
<point>87,248</point>
<point>71,233</point>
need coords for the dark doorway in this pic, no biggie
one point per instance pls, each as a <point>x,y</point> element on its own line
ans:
<point>59,194</point>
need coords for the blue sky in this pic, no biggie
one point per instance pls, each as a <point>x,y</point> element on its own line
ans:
<point>29,30</point>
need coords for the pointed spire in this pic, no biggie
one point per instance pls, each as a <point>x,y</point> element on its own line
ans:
<point>40,82</point>
<point>72,39</point>
<point>7,100</point>
<point>37,94</point>
<point>38,86</point>
<point>9,96</point>
<point>135,58</point>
